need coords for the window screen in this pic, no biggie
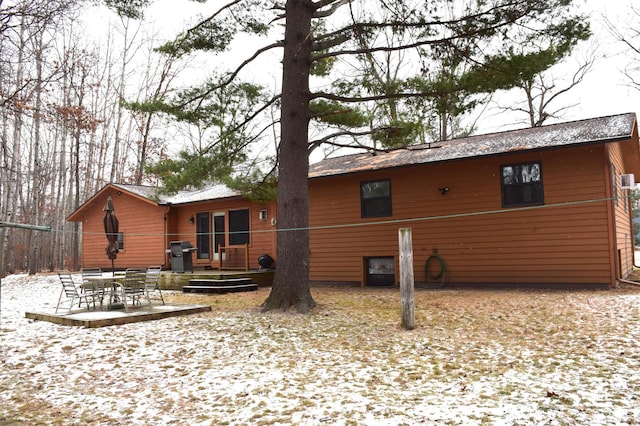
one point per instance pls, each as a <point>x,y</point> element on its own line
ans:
<point>375,198</point>
<point>239,227</point>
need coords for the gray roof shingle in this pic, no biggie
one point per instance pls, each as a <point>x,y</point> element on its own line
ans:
<point>595,130</point>
<point>214,192</point>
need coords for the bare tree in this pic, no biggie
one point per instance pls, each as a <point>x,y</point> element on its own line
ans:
<point>545,89</point>
<point>159,74</point>
<point>28,30</point>
<point>64,128</point>
<point>630,38</point>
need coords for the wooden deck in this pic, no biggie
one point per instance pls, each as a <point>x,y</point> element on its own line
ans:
<point>103,318</point>
<point>176,281</point>
<point>215,286</point>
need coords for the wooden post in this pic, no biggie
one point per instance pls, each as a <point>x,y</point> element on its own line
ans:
<point>406,279</point>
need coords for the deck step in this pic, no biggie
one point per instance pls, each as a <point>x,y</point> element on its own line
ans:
<point>207,282</point>
<point>219,289</point>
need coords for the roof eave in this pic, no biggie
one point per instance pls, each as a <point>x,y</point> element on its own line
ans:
<point>169,203</point>
<point>76,215</point>
<point>470,157</point>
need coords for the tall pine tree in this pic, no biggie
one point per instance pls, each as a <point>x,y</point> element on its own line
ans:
<point>478,46</point>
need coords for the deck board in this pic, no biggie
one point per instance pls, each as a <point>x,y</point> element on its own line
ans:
<point>100,318</point>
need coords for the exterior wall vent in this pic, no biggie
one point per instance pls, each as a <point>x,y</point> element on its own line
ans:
<point>627,181</point>
<point>262,215</point>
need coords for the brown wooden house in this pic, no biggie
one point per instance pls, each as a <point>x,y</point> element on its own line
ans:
<point>226,230</point>
<point>540,206</point>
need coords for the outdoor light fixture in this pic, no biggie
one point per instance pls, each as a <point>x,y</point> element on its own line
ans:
<point>443,190</point>
<point>191,220</point>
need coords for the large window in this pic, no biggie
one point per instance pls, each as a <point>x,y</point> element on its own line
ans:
<point>522,184</point>
<point>239,226</point>
<point>211,232</point>
<point>375,198</point>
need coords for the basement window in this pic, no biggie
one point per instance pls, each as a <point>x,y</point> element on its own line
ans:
<point>380,271</point>
<point>522,184</point>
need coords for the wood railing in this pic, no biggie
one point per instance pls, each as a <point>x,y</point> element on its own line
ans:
<point>232,257</point>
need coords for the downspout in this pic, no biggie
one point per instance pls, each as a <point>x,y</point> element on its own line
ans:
<point>166,235</point>
<point>633,243</point>
<point>620,279</point>
<point>611,215</point>
<point>624,281</point>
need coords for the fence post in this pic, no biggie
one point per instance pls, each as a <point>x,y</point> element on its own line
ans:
<point>406,279</point>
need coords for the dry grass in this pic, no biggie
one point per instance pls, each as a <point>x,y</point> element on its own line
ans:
<point>476,357</point>
<point>567,342</point>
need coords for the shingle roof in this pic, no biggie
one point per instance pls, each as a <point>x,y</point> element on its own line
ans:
<point>603,129</point>
<point>214,192</point>
<point>141,190</point>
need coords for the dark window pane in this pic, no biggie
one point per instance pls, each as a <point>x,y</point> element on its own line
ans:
<point>376,207</point>
<point>375,198</point>
<point>380,271</point>
<point>376,189</point>
<point>522,185</point>
<point>239,227</point>
<point>203,236</point>
<point>218,233</point>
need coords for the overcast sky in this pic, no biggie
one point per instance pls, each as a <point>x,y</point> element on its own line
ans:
<point>604,90</point>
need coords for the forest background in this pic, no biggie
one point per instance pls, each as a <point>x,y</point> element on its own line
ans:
<point>68,67</point>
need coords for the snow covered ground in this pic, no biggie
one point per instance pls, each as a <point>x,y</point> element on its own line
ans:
<point>499,357</point>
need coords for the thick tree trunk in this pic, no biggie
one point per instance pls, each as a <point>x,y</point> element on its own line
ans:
<point>291,281</point>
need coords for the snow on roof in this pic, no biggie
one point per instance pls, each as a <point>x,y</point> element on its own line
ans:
<point>141,190</point>
<point>213,192</point>
<point>603,129</point>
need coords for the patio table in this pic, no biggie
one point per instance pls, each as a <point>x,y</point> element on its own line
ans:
<point>105,284</point>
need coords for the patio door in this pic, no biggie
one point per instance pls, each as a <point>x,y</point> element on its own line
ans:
<point>203,236</point>
<point>219,234</point>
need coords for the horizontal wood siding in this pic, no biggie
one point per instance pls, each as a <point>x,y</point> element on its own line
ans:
<point>564,241</point>
<point>149,229</point>
<point>143,227</point>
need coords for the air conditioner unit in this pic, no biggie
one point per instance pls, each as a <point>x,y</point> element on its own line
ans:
<point>627,181</point>
<point>262,215</point>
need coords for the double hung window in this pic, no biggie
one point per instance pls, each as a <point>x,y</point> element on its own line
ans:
<point>375,198</point>
<point>522,184</point>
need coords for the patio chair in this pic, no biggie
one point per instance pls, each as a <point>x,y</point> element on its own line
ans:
<point>91,272</point>
<point>133,287</point>
<point>151,284</point>
<point>71,293</point>
<point>96,286</point>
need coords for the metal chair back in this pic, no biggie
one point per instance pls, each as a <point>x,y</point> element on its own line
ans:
<point>151,287</point>
<point>70,292</point>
